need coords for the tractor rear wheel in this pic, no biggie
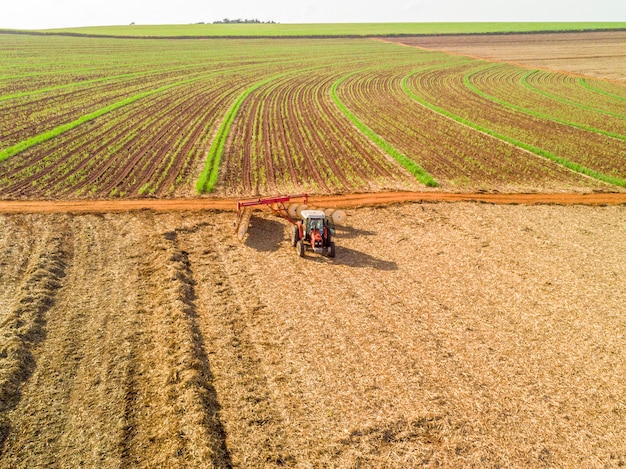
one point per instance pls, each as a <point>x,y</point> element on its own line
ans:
<point>300,248</point>
<point>331,250</point>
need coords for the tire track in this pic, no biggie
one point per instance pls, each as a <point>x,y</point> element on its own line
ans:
<point>195,396</point>
<point>256,432</point>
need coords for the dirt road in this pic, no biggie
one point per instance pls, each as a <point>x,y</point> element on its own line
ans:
<point>343,201</point>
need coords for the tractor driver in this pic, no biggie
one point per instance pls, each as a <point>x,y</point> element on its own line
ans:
<point>317,224</point>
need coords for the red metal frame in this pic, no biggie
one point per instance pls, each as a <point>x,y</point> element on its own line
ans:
<point>279,200</point>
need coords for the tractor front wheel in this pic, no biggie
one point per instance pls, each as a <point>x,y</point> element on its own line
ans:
<point>331,250</point>
<point>300,248</point>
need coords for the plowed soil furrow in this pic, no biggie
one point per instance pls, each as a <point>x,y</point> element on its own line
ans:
<point>56,167</point>
<point>59,421</point>
<point>311,168</point>
<point>78,169</point>
<point>63,166</point>
<point>62,174</point>
<point>249,151</point>
<point>176,413</point>
<point>23,326</point>
<point>592,53</point>
<point>14,259</point>
<point>288,142</point>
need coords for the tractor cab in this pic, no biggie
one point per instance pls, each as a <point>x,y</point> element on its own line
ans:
<point>313,233</point>
<point>315,222</point>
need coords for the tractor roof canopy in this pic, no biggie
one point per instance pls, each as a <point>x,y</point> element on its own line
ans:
<point>312,214</point>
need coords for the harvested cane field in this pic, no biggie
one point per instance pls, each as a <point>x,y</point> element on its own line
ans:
<point>99,117</point>
<point>442,335</point>
<point>455,335</point>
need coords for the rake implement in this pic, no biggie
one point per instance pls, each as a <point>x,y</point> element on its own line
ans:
<point>276,204</point>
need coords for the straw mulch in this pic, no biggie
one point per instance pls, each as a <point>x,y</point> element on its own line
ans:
<point>454,335</point>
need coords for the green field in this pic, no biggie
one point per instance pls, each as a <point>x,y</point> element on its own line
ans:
<point>116,117</point>
<point>330,29</point>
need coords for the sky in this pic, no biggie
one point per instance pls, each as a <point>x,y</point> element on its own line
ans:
<point>44,14</point>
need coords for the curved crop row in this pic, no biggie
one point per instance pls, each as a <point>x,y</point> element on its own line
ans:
<point>512,91</point>
<point>568,89</point>
<point>410,165</point>
<point>45,136</point>
<point>151,147</point>
<point>208,177</point>
<point>88,82</point>
<point>84,131</point>
<point>65,160</point>
<point>455,155</point>
<point>105,118</point>
<point>535,150</point>
<point>290,136</point>
<point>28,117</point>
<point>612,90</point>
<point>598,156</point>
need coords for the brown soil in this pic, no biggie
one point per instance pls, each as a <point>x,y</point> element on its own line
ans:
<point>594,54</point>
<point>335,201</point>
<point>454,335</point>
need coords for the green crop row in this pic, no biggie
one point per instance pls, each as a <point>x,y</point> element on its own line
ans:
<point>404,160</point>
<point>531,148</point>
<point>83,83</point>
<point>583,82</point>
<point>523,109</point>
<point>208,178</point>
<point>455,155</point>
<point>121,116</point>
<point>525,83</point>
<point>44,137</point>
<point>445,88</point>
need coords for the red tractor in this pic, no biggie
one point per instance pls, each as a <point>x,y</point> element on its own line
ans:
<point>314,232</point>
<point>312,229</point>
